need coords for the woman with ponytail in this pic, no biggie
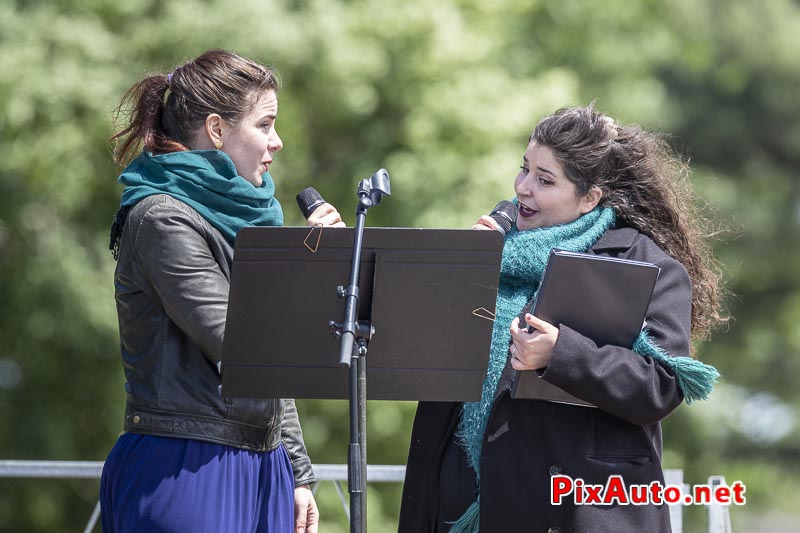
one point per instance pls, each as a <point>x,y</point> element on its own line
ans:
<point>586,184</point>
<point>196,146</point>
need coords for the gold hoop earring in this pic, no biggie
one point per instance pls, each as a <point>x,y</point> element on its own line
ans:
<point>218,143</point>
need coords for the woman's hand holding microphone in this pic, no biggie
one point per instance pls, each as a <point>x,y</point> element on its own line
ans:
<point>317,211</point>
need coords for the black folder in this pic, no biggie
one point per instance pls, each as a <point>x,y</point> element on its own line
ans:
<point>603,298</point>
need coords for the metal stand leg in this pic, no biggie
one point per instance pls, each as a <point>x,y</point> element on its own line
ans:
<point>93,519</point>
<point>355,336</point>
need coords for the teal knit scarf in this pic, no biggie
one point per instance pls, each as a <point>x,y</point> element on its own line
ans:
<point>207,181</point>
<point>525,255</point>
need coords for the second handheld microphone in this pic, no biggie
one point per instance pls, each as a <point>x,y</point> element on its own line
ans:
<point>505,214</point>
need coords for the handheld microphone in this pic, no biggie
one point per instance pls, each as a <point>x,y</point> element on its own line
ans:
<point>505,214</point>
<point>308,200</point>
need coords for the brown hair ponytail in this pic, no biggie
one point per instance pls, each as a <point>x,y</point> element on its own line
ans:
<point>143,107</point>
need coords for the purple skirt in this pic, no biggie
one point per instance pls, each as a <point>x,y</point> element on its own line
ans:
<point>161,484</point>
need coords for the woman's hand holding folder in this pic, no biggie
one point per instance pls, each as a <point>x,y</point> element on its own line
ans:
<point>532,351</point>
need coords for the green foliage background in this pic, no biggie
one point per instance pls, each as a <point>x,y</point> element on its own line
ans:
<point>443,94</point>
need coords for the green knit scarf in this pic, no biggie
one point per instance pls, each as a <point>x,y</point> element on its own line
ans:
<point>525,255</point>
<point>207,181</point>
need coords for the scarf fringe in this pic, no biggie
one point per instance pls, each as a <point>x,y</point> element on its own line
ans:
<point>470,520</point>
<point>695,379</point>
<point>116,230</point>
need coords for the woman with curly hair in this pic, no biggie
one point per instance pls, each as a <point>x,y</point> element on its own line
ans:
<point>586,184</point>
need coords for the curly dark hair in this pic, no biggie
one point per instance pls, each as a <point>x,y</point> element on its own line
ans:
<point>646,183</point>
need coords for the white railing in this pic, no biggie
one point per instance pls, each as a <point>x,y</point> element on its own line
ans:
<point>92,470</point>
<point>718,516</point>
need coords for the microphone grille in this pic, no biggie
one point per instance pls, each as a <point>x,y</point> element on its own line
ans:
<point>308,200</point>
<point>505,214</point>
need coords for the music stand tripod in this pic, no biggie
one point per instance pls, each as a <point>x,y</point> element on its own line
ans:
<point>355,336</point>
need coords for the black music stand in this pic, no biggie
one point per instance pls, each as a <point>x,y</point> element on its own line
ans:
<point>426,292</point>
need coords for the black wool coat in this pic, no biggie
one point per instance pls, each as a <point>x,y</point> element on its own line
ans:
<point>529,441</point>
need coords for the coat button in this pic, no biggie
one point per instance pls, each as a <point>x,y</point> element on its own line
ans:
<point>553,530</point>
<point>554,471</point>
<point>137,419</point>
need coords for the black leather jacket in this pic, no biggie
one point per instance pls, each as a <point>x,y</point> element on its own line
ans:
<point>172,282</point>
